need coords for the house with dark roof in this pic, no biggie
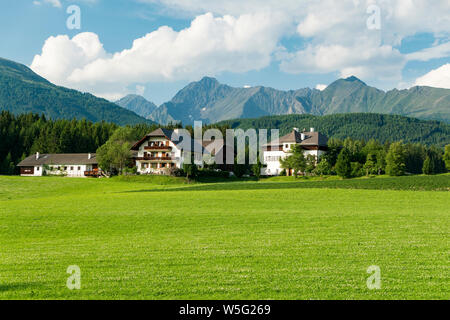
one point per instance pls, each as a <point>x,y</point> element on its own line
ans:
<point>69,164</point>
<point>312,142</point>
<point>163,149</point>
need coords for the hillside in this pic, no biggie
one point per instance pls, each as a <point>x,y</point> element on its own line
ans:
<point>137,104</point>
<point>23,91</point>
<point>211,101</point>
<point>356,125</point>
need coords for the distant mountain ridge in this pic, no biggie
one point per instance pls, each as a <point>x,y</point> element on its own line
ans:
<point>137,104</point>
<point>23,91</point>
<point>211,101</point>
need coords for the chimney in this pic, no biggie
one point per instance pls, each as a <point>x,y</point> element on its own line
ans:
<point>37,155</point>
<point>296,129</point>
<point>89,156</point>
<point>312,130</point>
<point>302,136</point>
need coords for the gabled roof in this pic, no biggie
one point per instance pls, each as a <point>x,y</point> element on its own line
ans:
<point>169,135</point>
<point>310,139</point>
<point>160,132</point>
<point>59,159</point>
<point>217,146</point>
<point>315,139</point>
<point>293,137</point>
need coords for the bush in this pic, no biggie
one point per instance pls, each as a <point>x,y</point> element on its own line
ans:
<point>176,172</point>
<point>357,169</point>
<point>206,173</point>
<point>129,171</point>
<point>323,168</point>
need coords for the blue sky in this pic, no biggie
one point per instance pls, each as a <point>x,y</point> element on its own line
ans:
<point>281,44</point>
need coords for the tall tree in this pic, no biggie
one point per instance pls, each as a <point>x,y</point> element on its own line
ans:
<point>115,154</point>
<point>447,157</point>
<point>370,167</point>
<point>296,161</point>
<point>395,160</point>
<point>343,164</point>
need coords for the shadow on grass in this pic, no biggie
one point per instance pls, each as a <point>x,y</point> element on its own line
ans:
<point>411,183</point>
<point>235,186</point>
<point>20,286</point>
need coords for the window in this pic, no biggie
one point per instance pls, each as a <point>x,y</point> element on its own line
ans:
<point>37,168</point>
<point>79,168</point>
<point>71,168</point>
<point>65,168</point>
<point>273,158</point>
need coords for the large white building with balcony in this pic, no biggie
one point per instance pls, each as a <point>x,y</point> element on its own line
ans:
<point>312,143</point>
<point>163,149</point>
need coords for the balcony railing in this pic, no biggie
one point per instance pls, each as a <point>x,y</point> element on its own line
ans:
<point>158,148</point>
<point>157,158</point>
<point>93,173</point>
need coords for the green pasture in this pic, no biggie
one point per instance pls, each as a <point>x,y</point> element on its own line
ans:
<point>164,238</point>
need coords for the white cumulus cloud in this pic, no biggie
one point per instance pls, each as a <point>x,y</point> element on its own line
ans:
<point>243,35</point>
<point>439,78</point>
<point>54,3</point>
<point>210,45</point>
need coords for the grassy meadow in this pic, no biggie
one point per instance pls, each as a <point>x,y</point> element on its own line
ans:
<point>164,238</point>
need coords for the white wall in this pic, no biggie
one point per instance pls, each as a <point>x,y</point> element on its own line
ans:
<point>71,170</point>
<point>274,167</point>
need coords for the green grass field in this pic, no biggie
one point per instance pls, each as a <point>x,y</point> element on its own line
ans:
<point>157,238</point>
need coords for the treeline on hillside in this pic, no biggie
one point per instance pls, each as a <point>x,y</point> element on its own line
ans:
<point>26,134</point>
<point>365,126</point>
<point>355,158</point>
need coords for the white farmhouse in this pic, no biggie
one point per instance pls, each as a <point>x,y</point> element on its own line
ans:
<point>313,143</point>
<point>163,149</point>
<point>70,165</point>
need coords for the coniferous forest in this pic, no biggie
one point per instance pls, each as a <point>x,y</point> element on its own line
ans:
<point>369,152</point>
<point>22,135</point>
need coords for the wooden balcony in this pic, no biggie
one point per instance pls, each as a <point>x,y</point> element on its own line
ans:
<point>94,173</point>
<point>159,148</point>
<point>157,158</point>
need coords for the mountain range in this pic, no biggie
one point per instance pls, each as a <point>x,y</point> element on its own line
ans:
<point>210,101</point>
<point>138,104</point>
<point>23,91</point>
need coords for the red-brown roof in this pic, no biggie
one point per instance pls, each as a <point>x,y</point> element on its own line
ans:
<point>59,159</point>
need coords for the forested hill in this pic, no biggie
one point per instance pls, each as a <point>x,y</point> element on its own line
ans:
<point>23,91</point>
<point>357,126</point>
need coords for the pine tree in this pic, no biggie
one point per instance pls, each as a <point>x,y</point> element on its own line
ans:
<point>447,157</point>
<point>395,160</point>
<point>343,164</point>
<point>370,167</point>
<point>428,166</point>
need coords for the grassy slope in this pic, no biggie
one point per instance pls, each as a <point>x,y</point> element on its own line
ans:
<point>136,240</point>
